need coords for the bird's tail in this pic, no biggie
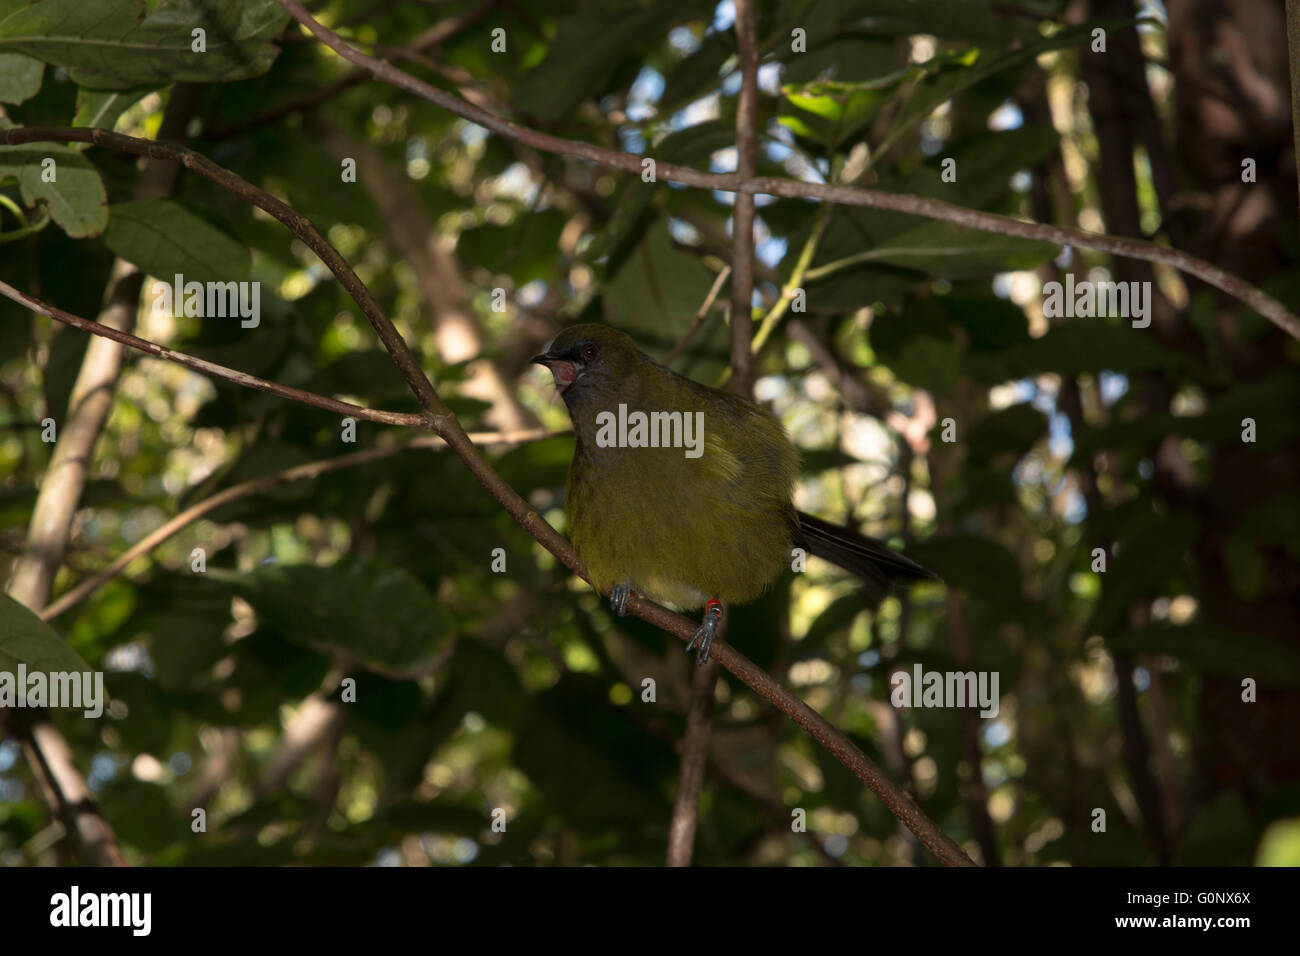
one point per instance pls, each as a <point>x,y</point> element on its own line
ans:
<point>878,565</point>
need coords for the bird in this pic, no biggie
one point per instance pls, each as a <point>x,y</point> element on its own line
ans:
<point>684,493</point>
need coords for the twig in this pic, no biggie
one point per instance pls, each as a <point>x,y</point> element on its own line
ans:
<point>210,368</point>
<point>1209,273</point>
<point>66,789</point>
<point>700,315</point>
<point>791,287</point>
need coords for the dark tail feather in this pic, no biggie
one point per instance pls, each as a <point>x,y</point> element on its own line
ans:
<point>874,562</point>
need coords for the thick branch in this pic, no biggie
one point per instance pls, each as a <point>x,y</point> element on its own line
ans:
<point>742,218</point>
<point>1207,272</point>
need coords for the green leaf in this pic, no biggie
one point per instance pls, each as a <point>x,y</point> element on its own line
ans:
<point>1280,845</point>
<point>75,199</point>
<point>929,362</point>
<point>590,759</point>
<point>657,291</point>
<point>948,251</point>
<point>380,614</point>
<point>67,351</point>
<point>118,44</point>
<point>985,163</point>
<point>1090,345</point>
<point>691,146</point>
<point>830,118</point>
<point>143,816</point>
<point>1150,555</point>
<point>838,615</point>
<point>977,564</point>
<point>951,81</point>
<point>26,639</point>
<point>587,49</point>
<point>164,239</point>
<point>1222,834</point>
<point>20,77</point>
<point>102,108</point>
<point>697,72</point>
<point>1014,429</point>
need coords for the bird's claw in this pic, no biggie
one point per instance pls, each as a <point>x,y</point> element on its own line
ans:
<point>707,629</point>
<point>618,596</point>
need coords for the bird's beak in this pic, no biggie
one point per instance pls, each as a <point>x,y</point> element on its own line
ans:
<point>563,370</point>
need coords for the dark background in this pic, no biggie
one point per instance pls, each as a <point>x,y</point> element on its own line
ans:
<point>475,690</point>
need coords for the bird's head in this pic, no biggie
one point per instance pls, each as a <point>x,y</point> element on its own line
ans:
<point>591,363</point>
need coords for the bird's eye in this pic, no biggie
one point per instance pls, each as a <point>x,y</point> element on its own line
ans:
<point>589,351</point>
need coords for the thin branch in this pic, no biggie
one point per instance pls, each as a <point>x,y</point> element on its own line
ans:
<point>256,486</point>
<point>210,368</point>
<point>792,285</point>
<point>701,314</point>
<point>445,424</point>
<point>66,789</point>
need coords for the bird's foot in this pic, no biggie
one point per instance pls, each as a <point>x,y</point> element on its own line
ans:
<point>708,628</point>
<point>618,596</point>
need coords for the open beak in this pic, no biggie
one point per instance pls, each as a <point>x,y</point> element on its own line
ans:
<point>563,370</point>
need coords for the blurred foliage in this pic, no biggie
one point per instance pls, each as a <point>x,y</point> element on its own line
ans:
<point>355,677</point>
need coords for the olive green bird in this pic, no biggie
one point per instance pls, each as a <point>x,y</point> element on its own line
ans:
<point>707,516</point>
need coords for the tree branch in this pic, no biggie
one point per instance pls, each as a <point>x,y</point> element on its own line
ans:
<point>210,368</point>
<point>701,314</point>
<point>695,754</point>
<point>742,216</point>
<point>1238,288</point>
